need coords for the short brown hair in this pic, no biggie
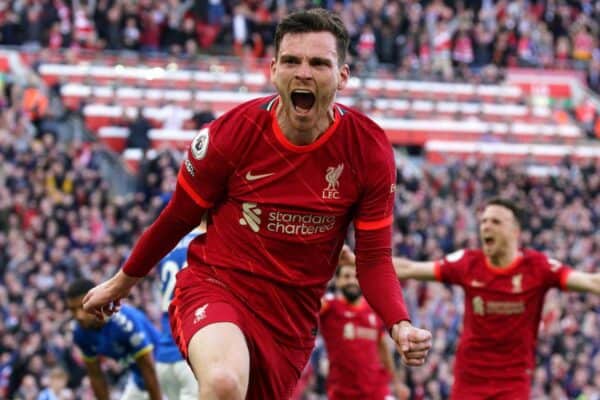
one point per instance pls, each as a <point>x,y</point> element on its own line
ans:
<point>78,288</point>
<point>509,205</point>
<point>314,20</point>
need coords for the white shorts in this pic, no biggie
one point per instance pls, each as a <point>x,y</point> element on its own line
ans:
<point>133,392</point>
<point>177,381</point>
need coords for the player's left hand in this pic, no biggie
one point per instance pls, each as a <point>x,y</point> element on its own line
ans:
<point>412,343</point>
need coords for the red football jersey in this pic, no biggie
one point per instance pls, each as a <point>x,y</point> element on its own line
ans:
<point>502,314</point>
<point>352,334</point>
<point>280,212</point>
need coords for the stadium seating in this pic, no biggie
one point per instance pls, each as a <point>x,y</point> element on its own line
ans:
<point>405,109</point>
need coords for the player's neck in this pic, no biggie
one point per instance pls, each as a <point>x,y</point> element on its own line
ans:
<point>504,259</point>
<point>303,137</point>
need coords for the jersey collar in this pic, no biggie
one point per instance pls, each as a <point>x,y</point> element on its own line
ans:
<point>281,138</point>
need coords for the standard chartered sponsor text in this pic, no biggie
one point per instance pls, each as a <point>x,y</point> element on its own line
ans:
<point>299,224</point>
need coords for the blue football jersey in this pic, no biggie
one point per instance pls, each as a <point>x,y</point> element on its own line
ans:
<point>169,266</point>
<point>125,336</point>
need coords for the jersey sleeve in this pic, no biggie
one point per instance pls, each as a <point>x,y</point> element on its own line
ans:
<point>452,268</point>
<point>555,273</point>
<point>207,167</point>
<point>375,208</point>
<point>132,334</point>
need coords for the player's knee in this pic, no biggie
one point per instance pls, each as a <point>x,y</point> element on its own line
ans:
<point>223,383</point>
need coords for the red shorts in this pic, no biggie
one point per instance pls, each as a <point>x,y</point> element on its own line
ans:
<point>380,393</point>
<point>465,388</point>
<point>359,389</point>
<point>200,300</point>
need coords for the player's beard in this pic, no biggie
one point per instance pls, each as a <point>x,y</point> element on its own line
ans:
<point>351,293</point>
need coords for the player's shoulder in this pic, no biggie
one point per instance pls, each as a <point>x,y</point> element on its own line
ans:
<point>464,255</point>
<point>364,134</point>
<point>354,120</point>
<point>233,131</point>
<point>328,299</point>
<point>328,302</point>
<point>356,116</point>
<point>540,260</point>
<point>79,334</point>
<point>127,313</point>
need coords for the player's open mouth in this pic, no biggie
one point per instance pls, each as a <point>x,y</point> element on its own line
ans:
<point>303,100</point>
<point>488,240</point>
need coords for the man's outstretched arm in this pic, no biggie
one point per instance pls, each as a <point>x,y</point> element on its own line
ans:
<point>579,281</point>
<point>179,217</point>
<point>408,269</point>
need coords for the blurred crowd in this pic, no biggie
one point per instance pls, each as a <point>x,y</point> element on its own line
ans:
<point>60,220</point>
<point>447,39</point>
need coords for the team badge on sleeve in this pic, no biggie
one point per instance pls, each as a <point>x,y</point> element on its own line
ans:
<point>554,264</point>
<point>454,257</point>
<point>200,144</point>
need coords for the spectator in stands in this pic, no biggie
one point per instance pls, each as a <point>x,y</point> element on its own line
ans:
<point>34,102</point>
<point>593,79</point>
<point>586,113</point>
<point>138,126</point>
<point>131,34</point>
<point>110,27</point>
<point>559,35</point>
<point>56,386</point>
<point>202,116</point>
<point>175,116</point>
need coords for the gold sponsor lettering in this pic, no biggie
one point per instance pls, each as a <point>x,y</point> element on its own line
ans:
<point>349,331</point>
<point>478,305</point>
<point>481,307</point>
<point>505,307</point>
<point>366,333</point>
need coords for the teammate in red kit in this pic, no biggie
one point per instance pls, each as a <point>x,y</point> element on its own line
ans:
<point>360,363</point>
<point>281,179</point>
<point>504,294</point>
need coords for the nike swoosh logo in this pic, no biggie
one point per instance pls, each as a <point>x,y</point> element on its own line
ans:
<point>251,177</point>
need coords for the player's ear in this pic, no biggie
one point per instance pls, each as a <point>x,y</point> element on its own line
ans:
<point>273,68</point>
<point>344,76</point>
